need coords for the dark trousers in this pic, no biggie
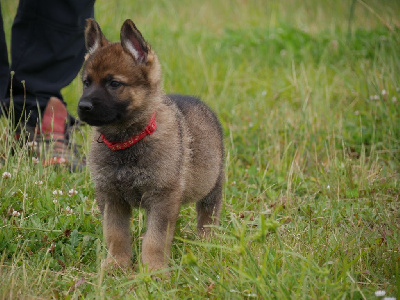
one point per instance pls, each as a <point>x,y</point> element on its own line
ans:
<point>47,52</point>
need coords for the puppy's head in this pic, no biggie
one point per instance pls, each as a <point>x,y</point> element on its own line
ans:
<point>119,79</point>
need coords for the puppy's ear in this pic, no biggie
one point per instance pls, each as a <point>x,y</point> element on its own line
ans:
<point>94,38</point>
<point>133,42</point>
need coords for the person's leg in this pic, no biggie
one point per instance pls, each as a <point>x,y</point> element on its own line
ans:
<point>4,66</point>
<point>47,50</point>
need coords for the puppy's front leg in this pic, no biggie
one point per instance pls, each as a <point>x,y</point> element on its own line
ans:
<point>116,229</point>
<point>161,220</point>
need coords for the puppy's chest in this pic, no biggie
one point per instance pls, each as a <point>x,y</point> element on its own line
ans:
<point>123,171</point>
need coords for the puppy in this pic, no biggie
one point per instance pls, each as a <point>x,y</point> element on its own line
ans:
<point>150,150</point>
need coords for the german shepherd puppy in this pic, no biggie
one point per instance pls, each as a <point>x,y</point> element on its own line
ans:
<point>150,150</point>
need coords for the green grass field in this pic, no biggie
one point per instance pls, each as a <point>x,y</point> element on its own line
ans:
<point>308,95</point>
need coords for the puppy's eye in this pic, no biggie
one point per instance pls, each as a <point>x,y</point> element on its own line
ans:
<point>86,83</point>
<point>115,84</point>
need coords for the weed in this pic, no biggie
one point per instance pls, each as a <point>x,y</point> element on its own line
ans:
<point>308,98</point>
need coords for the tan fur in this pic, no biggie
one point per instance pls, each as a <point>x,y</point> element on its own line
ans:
<point>181,162</point>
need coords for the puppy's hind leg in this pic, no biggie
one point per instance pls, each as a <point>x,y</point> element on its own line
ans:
<point>208,208</point>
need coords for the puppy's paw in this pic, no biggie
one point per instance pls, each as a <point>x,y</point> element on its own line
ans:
<point>204,232</point>
<point>112,263</point>
<point>163,275</point>
<point>159,271</point>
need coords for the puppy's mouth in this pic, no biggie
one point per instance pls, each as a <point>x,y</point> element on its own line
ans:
<point>97,116</point>
<point>96,122</point>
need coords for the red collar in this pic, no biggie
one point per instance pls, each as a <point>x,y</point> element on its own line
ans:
<point>114,146</point>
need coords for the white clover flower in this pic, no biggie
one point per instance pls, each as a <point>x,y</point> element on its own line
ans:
<point>35,160</point>
<point>55,201</point>
<point>16,213</point>
<point>6,175</point>
<point>389,298</point>
<point>328,187</point>
<point>72,192</point>
<point>69,210</point>
<point>380,293</point>
<point>39,183</point>
<point>384,92</point>
<point>57,192</point>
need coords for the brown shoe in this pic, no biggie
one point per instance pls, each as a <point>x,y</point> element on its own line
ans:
<point>50,141</point>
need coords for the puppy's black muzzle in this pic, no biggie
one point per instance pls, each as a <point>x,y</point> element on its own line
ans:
<point>85,106</point>
<point>94,111</point>
<point>94,107</point>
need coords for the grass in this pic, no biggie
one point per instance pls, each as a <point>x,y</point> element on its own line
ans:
<point>309,102</point>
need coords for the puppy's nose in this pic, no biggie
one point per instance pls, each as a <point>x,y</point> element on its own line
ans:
<point>85,106</point>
